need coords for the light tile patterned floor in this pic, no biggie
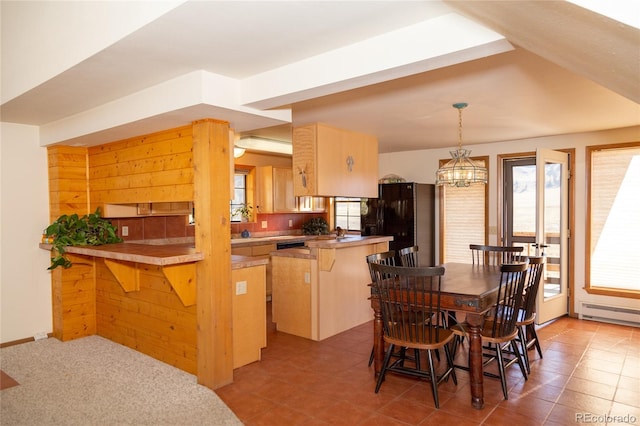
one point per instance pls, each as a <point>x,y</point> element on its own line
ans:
<point>589,374</point>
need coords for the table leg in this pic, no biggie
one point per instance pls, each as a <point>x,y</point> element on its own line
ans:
<point>475,322</point>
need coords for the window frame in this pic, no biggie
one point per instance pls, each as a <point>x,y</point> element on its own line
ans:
<point>340,200</point>
<point>249,189</point>
<point>604,291</point>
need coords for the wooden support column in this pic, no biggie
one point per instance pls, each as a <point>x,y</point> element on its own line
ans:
<point>213,238</point>
<point>73,289</point>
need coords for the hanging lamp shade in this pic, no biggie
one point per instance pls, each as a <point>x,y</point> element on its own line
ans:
<point>461,171</point>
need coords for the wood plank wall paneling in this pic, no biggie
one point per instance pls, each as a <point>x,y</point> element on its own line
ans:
<point>73,290</point>
<point>67,181</point>
<point>74,300</point>
<point>151,168</point>
<point>152,320</point>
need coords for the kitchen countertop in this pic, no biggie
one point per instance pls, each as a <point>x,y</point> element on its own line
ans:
<point>347,241</point>
<point>239,262</point>
<point>172,253</point>
<point>327,242</point>
<point>152,254</point>
<point>256,241</point>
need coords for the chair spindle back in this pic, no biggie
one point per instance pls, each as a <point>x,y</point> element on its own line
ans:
<point>510,290</point>
<point>494,255</point>
<point>409,301</point>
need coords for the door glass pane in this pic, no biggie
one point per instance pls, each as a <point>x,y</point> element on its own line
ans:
<point>524,201</point>
<point>552,223</point>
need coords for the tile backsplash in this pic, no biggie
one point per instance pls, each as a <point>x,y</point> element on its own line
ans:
<point>276,223</point>
<point>154,227</point>
<point>160,227</point>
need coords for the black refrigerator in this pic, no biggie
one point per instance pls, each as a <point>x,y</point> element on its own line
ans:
<point>404,211</point>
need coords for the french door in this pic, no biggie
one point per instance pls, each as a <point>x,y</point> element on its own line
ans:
<point>536,218</point>
<point>552,225</point>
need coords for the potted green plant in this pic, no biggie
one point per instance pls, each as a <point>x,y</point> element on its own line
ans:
<point>315,226</point>
<point>244,211</point>
<point>73,230</point>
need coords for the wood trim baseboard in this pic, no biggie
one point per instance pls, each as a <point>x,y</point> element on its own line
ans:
<point>20,341</point>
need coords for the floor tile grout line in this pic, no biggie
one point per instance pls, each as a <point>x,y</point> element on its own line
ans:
<point>584,351</point>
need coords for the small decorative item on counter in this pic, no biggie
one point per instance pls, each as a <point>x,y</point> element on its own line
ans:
<point>340,233</point>
<point>245,234</point>
<point>315,226</point>
<point>45,238</point>
<point>72,230</point>
<point>391,178</point>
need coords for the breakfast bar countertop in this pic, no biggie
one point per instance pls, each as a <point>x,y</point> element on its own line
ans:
<point>152,254</point>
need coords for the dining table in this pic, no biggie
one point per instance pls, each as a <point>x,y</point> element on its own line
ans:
<point>471,289</point>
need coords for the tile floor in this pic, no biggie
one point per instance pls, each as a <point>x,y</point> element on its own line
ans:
<point>589,374</point>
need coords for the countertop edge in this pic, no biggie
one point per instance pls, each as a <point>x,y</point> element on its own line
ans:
<point>240,262</point>
<point>348,241</point>
<point>172,254</point>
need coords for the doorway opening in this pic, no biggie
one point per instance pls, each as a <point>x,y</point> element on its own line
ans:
<point>537,218</point>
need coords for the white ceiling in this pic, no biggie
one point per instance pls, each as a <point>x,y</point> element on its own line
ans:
<point>392,69</point>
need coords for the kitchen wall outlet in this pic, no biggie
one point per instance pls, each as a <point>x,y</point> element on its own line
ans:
<point>241,287</point>
<point>264,224</point>
<point>40,336</point>
<point>125,231</point>
<point>290,223</point>
<point>307,278</point>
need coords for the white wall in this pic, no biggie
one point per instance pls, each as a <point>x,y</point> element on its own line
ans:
<point>421,166</point>
<point>25,283</point>
<point>49,32</point>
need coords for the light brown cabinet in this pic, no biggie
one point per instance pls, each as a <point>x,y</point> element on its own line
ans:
<point>259,250</point>
<point>312,204</point>
<point>275,190</point>
<point>249,315</point>
<point>328,161</point>
<point>176,208</point>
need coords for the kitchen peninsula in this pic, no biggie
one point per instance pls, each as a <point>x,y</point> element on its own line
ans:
<point>322,289</point>
<point>149,287</point>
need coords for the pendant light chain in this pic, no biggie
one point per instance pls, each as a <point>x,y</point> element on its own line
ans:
<point>461,171</point>
<point>459,128</point>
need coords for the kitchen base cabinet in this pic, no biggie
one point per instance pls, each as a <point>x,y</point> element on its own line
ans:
<point>322,290</point>
<point>249,314</point>
<point>291,298</point>
<point>259,250</point>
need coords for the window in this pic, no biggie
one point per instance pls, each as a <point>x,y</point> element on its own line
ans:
<point>347,213</point>
<point>239,193</point>
<point>463,219</point>
<point>613,227</point>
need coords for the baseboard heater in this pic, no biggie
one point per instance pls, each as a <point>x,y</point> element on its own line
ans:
<point>611,314</point>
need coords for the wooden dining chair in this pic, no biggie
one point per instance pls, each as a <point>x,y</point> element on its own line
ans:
<point>409,300</point>
<point>499,331</point>
<point>494,255</point>
<point>409,256</point>
<point>384,258</point>
<point>527,335</point>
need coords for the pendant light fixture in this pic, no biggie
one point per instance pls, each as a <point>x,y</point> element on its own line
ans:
<point>461,171</point>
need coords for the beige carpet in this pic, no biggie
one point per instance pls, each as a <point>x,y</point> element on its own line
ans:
<point>93,381</point>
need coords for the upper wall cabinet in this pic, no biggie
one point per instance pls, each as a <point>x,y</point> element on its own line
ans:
<point>181,208</point>
<point>328,161</point>
<point>274,192</point>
